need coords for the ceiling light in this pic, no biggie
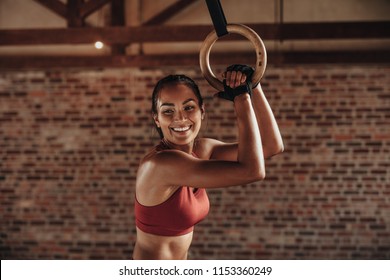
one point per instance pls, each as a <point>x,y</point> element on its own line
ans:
<point>99,45</point>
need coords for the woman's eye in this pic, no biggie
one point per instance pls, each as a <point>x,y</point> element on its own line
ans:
<point>168,112</point>
<point>189,108</point>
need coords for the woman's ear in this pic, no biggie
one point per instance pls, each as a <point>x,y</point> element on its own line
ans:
<point>156,120</point>
<point>202,111</point>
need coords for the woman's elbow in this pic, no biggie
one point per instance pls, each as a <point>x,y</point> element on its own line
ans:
<point>275,151</point>
<point>260,175</point>
<point>257,174</point>
<point>280,149</point>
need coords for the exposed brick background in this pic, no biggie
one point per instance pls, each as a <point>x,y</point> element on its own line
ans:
<point>70,142</point>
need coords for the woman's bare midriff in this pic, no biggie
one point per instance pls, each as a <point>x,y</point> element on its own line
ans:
<point>155,247</point>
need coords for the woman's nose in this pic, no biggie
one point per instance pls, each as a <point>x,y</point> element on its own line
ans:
<point>180,116</point>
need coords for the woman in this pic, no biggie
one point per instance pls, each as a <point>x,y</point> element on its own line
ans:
<point>172,178</point>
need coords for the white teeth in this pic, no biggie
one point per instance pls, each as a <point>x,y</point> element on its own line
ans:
<point>181,129</point>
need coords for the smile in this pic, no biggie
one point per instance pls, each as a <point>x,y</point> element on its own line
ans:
<point>181,129</point>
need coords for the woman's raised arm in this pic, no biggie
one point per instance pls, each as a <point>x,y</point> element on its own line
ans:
<point>270,135</point>
<point>173,167</point>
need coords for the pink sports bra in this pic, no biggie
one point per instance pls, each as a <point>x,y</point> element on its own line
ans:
<point>175,216</point>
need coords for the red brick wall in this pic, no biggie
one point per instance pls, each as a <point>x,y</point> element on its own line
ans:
<point>70,142</point>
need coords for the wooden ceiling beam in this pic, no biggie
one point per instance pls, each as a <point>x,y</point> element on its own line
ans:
<point>73,16</point>
<point>92,6</point>
<point>169,12</point>
<point>118,19</point>
<point>75,11</point>
<point>150,61</point>
<point>192,33</point>
<point>335,30</point>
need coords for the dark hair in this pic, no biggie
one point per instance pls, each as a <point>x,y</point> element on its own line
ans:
<point>169,81</point>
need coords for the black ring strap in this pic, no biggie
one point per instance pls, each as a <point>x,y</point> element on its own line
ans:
<point>217,16</point>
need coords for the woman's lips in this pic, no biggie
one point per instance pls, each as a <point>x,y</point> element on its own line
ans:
<point>181,129</point>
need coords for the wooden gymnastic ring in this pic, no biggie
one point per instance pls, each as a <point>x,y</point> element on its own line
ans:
<point>251,35</point>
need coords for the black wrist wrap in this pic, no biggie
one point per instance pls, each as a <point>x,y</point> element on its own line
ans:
<point>230,93</point>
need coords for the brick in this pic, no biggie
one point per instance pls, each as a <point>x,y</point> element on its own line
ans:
<point>324,198</point>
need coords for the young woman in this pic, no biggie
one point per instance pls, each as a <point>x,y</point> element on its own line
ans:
<point>173,177</point>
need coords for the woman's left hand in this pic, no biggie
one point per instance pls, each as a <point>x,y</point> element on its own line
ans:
<point>237,81</point>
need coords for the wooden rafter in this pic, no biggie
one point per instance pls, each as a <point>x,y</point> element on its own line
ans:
<point>193,33</point>
<point>73,16</point>
<point>118,19</point>
<point>169,12</point>
<point>75,11</point>
<point>92,6</point>
<point>335,30</point>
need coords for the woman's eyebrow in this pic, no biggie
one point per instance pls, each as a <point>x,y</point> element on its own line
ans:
<point>188,100</point>
<point>167,104</point>
<point>171,104</point>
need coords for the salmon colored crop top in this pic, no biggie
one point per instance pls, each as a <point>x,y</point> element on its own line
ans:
<point>175,216</point>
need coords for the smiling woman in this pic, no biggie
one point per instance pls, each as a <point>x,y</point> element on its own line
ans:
<point>174,83</point>
<point>173,177</point>
<point>180,121</point>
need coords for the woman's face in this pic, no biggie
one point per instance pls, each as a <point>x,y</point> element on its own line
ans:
<point>178,114</point>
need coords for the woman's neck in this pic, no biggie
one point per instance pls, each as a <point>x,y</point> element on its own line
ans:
<point>188,148</point>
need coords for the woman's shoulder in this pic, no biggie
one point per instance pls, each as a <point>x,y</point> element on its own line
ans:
<point>150,165</point>
<point>203,148</point>
<point>158,154</point>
